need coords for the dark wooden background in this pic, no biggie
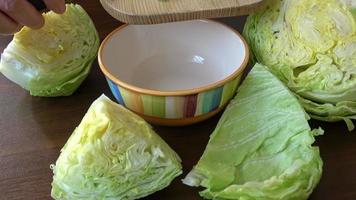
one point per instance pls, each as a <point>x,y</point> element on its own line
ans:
<point>33,130</point>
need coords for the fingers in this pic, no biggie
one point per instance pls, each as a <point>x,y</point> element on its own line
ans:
<point>58,6</point>
<point>17,13</point>
<point>7,25</point>
<point>22,12</point>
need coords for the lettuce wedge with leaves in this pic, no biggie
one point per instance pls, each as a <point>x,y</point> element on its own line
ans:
<point>54,60</point>
<point>113,154</point>
<point>261,148</point>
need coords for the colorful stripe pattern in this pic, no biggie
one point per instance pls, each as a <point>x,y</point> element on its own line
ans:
<point>175,107</point>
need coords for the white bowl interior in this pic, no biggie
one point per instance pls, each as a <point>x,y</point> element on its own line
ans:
<point>173,56</point>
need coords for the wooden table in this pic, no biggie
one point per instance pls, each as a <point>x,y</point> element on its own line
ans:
<point>33,130</point>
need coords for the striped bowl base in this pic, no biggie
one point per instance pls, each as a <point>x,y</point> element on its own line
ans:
<point>176,110</point>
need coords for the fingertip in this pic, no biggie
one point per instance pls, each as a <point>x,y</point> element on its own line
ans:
<point>39,24</point>
<point>57,6</point>
<point>25,14</point>
<point>18,28</point>
<point>61,9</point>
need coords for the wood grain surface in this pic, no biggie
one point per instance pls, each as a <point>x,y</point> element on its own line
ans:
<point>33,130</point>
<point>160,11</point>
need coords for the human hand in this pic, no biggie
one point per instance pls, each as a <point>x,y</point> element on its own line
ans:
<point>14,14</point>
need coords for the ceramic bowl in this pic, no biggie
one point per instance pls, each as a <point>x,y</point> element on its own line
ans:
<point>174,74</point>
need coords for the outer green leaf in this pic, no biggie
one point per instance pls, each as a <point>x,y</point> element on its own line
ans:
<point>261,148</point>
<point>311,46</point>
<point>54,60</point>
<point>113,154</point>
<point>331,112</point>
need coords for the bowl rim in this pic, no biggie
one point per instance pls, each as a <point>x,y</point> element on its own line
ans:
<point>239,70</point>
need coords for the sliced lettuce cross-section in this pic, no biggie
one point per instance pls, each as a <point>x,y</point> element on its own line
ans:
<point>54,60</point>
<point>311,46</point>
<point>113,154</point>
<point>261,148</point>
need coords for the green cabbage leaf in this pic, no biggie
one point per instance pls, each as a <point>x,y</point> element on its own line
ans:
<point>113,154</point>
<point>54,60</point>
<point>311,46</point>
<point>261,148</point>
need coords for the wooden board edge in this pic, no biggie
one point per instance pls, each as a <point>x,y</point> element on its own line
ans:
<point>166,18</point>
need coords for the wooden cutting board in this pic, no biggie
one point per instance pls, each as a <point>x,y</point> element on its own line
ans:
<point>163,11</point>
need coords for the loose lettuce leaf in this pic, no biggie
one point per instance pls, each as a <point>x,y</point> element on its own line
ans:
<point>113,154</point>
<point>344,110</point>
<point>54,60</point>
<point>311,46</point>
<point>261,148</point>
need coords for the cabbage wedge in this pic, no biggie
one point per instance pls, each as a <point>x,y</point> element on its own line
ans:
<point>113,154</point>
<point>54,60</point>
<point>311,46</point>
<point>261,148</point>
